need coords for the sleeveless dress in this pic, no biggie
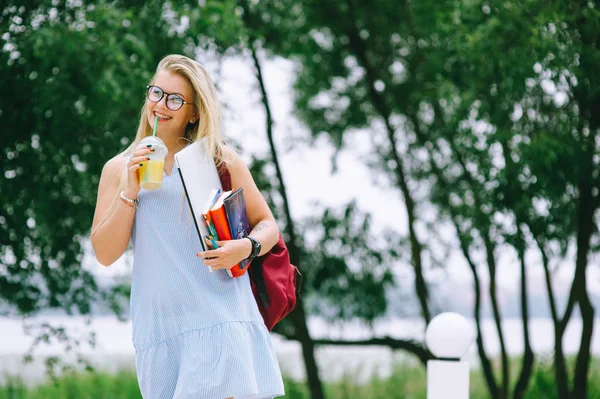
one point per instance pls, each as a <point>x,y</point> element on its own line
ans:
<point>196,333</point>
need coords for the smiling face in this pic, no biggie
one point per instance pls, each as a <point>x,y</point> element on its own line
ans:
<point>171,123</point>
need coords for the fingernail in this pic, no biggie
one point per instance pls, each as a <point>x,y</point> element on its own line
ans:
<point>148,158</point>
<point>198,254</point>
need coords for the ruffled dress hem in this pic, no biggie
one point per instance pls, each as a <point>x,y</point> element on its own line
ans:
<point>209,363</point>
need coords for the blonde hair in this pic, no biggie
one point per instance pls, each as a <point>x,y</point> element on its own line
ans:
<point>207,128</point>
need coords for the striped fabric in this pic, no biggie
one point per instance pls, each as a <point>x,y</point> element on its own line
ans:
<point>196,334</point>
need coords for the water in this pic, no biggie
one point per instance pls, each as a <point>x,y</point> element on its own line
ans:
<point>114,350</point>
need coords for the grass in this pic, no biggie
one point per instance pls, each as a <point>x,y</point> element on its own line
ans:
<point>405,382</point>
<point>82,385</point>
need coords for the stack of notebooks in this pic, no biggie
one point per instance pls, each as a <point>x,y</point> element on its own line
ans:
<point>226,219</point>
<point>216,213</point>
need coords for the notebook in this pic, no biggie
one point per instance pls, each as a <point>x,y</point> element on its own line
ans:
<point>239,226</point>
<point>200,177</point>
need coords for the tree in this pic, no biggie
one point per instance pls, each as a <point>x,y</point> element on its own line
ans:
<point>446,80</point>
<point>72,105</point>
<point>327,270</point>
<point>74,74</point>
<point>81,60</point>
<point>531,80</point>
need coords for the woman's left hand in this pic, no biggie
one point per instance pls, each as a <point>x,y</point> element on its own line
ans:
<point>229,253</point>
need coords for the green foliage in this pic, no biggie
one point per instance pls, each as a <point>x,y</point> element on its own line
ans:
<point>74,75</point>
<point>491,108</point>
<point>73,108</point>
<point>496,96</point>
<point>531,152</point>
<point>122,385</point>
<point>406,381</point>
<point>350,265</point>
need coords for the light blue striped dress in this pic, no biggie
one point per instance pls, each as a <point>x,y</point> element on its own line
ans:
<point>196,334</point>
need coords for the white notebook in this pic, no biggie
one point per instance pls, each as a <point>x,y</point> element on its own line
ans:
<point>199,177</point>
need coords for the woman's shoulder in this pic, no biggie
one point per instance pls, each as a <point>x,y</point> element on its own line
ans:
<point>238,169</point>
<point>231,157</point>
<point>115,165</point>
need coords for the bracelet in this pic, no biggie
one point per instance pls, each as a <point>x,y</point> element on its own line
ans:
<point>133,203</point>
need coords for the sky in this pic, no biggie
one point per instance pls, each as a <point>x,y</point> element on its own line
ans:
<point>307,171</point>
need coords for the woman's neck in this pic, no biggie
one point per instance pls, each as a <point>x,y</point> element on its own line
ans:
<point>174,144</point>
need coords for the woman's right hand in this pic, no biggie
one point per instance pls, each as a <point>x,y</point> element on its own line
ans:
<point>139,156</point>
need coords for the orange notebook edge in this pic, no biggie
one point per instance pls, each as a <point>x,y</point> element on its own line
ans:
<point>219,218</point>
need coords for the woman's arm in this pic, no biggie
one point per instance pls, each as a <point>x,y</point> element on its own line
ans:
<point>262,222</point>
<point>110,236</point>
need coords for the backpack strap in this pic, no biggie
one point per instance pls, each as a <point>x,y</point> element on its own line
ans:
<point>256,272</point>
<point>224,176</point>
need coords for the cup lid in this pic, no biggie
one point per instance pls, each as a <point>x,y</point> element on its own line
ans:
<point>159,146</point>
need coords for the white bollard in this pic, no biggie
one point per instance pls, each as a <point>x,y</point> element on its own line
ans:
<point>448,337</point>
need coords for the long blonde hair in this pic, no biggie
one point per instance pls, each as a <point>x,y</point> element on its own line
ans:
<point>207,128</point>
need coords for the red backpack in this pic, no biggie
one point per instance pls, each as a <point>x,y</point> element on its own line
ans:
<point>272,276</point>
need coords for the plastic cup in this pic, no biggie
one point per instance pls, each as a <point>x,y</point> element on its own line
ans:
<point>151,171</point>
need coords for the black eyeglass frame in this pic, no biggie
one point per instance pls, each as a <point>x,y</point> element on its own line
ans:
<point>183,102</point>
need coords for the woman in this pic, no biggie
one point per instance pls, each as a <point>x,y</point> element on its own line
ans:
<point>197,334</point>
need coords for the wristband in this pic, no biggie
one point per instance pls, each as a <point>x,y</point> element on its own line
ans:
<point>256,247</point>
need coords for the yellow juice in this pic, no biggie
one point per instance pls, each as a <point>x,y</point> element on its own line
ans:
<point>151,173</point>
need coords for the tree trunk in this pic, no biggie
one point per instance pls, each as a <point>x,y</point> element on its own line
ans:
<point>588,101</point>
<point>580,381</point>
<point>491,261</point>
<point>358,47</point>
<point>484,230</point>
<point>488,371</point>
<point>298,315</point>
<point>528,357</point>
<point>560,367</point>
<point>520,246</point>
<point>410,346</point>
<point>584,233</point>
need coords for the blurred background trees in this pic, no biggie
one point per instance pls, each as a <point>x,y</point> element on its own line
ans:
<point>484,117</point>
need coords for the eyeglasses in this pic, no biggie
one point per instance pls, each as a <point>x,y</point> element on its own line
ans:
<point>174,102</point>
